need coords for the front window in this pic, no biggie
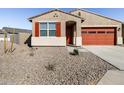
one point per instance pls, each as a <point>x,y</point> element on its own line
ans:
<point>43,29</point>
<point>48,29</point>
<point>52,29</point>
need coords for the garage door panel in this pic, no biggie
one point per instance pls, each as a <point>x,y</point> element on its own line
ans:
<point>98,36</point>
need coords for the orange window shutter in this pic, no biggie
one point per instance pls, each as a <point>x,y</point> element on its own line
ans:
<point>58,29</point>
<point>36,29</point>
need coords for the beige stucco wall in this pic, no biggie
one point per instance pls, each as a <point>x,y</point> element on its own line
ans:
<point>92,20</point>
<point>23,37</point>
<point>123,32</point>
<point>48,41</point>
<point>63,18</point>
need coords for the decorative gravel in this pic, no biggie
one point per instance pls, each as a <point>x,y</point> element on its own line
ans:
<point>51,66</point>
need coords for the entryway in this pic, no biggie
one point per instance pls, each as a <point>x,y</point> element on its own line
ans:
<point>70,30</point>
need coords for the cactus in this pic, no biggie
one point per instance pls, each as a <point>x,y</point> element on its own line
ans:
<point>5,35</point>
<point>12,43</point>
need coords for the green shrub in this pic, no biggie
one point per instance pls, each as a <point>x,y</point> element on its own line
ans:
<point>50,67</point>
<point>5,35</point>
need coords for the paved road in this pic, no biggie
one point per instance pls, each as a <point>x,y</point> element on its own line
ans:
<point>112,54</point>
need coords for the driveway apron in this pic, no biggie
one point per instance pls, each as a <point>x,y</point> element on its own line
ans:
<point>112,54</point>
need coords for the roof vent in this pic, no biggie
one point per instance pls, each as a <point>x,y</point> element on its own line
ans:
<point>55,15</point>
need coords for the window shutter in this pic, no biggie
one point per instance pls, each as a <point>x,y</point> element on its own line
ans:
<point>58,29</point>
<point>36,29</point>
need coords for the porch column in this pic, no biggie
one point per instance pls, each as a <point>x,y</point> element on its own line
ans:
<point>75,35</point>
<point>78,34</point>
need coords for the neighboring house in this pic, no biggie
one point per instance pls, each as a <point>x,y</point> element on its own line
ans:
<point>21,36</point>
<point>79,27</point>
<point>2,36</point>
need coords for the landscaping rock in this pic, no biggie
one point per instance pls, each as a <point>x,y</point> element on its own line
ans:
<point>51,66</point>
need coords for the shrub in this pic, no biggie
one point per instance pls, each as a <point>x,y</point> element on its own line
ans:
<point>31,54</point>
<point>12,43</point>
<point>75,52</point>
<point>5,35</point>
<point>50,67</point>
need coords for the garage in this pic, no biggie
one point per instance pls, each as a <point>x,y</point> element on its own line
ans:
<point>98,36</point>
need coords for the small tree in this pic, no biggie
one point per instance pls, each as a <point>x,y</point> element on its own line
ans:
<point>5,35</point>
<point>12,43</point>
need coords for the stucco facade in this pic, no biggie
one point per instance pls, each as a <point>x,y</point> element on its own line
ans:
<point>94,20</point>
<point>23,37</point>
<point>81,18</point>
<point>56,41</point>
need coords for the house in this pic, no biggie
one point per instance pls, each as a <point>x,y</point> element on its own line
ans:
<point>78,27</point>
<point>2,35</point>
<point>21,36</point>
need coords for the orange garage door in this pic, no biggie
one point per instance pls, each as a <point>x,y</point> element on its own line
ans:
<point>99,36</point>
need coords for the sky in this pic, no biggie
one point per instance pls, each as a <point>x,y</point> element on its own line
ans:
<point>18,17</point>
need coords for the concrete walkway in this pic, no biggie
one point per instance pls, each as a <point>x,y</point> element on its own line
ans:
<point>112,78</point>
<point>112,54</point>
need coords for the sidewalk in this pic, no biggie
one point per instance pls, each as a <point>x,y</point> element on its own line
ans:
<point>112,78</point>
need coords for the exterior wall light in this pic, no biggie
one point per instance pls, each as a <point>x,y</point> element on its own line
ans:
<point>118,29</point>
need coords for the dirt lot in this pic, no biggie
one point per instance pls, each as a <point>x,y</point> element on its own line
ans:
<point>50,65</point>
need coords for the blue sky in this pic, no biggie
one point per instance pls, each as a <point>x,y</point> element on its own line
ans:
<point>17,17</point>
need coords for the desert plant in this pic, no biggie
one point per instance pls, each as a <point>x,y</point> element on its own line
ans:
<point>5,35</point>
<point>50,67</point>
<point>75,52</point>
<point>12,43</point>
<point>31,54</point>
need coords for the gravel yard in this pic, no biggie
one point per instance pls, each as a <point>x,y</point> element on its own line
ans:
<point>50,65</point>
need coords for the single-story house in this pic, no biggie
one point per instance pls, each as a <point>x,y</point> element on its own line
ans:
<point>2,36</point>
<point>21,36</point>
<point>78,27</point>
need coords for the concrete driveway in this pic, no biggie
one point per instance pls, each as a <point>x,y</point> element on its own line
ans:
<point>112,78</point>
<point>112,54</point>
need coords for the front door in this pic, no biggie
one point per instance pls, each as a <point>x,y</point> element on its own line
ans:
<point>69,35</point>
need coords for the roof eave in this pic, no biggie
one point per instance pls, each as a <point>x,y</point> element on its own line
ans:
<point>30,18</point>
